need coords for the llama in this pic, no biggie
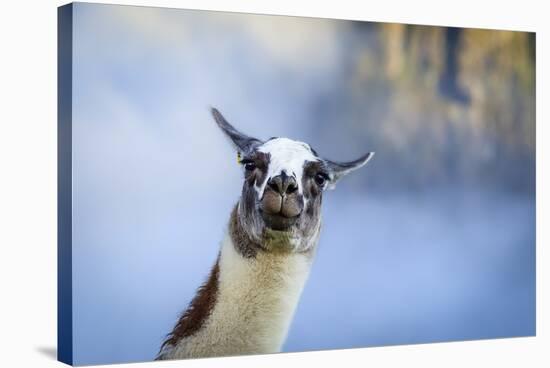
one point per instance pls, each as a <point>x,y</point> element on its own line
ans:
<point>248,301</point>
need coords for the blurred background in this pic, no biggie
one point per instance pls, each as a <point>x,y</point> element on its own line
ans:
<point>433,241</point>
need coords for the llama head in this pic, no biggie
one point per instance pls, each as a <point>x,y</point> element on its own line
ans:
<point>284,180</point>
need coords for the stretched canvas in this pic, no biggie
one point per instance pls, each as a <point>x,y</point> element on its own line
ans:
<point>234,184</point>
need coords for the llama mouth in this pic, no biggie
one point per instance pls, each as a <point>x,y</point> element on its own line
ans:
<point>279,222</point>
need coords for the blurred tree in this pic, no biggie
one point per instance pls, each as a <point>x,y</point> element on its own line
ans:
<point>441,106</point>
<point>448,85</point>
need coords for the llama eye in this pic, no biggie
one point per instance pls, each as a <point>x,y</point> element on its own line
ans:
<point>320,179</point>
<point>249,166</point>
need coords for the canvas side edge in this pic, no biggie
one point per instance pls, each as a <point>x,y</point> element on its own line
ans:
<point>64,184</point>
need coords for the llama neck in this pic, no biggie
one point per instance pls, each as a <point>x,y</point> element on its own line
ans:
<point>254,302</point>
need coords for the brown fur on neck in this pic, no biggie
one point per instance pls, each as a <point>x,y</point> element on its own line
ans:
<point>202,304</point>
<point>198,311</point>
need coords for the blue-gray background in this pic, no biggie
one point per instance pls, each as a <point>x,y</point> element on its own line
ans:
<point>433,241</point>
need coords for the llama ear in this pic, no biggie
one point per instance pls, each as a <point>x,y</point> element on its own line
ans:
<point>242,142</point>
<point>339,169</point>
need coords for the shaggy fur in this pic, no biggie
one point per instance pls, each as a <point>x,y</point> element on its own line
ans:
<point>198,311</point>
<point>248,304</point>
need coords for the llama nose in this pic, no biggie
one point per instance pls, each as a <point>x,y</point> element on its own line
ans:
<point>283,184</point>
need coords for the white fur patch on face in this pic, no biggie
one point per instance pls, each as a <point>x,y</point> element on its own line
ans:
<point>285,155</point>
